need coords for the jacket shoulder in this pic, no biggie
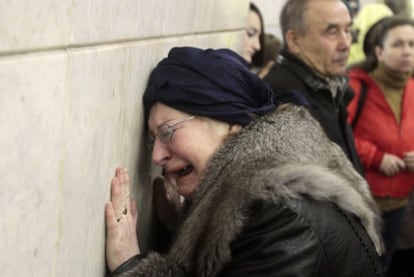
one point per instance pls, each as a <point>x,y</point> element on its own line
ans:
<point>290,236</point>
<point>281,76</point>
<point>280,241</point>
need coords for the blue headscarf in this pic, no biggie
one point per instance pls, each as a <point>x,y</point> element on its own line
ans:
<point>211,83</point>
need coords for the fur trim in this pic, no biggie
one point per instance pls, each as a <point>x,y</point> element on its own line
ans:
<point>291,138</point>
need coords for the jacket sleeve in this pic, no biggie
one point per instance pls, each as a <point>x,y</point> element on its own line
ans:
<point>369,154</point>
<point>127,265</point>
<point>275,241</point>
<point>153,264</point>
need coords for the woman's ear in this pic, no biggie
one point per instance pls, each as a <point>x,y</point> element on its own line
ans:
<point>234,129</point>
<point>378,53</point>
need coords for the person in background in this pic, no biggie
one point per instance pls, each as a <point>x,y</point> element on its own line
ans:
<point>266,192</point>
<point>253,40</point>
<point>353,6</point>
<point>272,46</point>
<point>313,63</point>
<point>383,132</point>
<point>260,49</point>
<point>400,7</point>
<point>402,260</point>
<point>365,18</point>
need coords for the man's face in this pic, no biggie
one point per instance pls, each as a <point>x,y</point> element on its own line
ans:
<point>325,45</point>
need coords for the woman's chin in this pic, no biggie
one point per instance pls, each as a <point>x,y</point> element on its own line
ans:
<point>186,191</point>
<point>187,184</point>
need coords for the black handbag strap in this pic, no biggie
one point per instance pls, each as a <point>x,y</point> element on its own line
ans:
<point>361,102</point>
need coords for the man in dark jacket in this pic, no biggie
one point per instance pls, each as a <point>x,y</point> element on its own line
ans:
<point>317,38</point>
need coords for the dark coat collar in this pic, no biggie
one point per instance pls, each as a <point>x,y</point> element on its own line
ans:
<point>313,79</point>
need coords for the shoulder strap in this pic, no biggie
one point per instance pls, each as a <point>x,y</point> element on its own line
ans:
<point>361,102</point>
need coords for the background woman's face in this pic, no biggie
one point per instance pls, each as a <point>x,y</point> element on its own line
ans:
<point>397,51</point>
<point>184,158</point>
<point>251,42</point>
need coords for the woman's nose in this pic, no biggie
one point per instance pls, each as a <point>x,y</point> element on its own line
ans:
<point>256,44</point>
<point>160,153</point>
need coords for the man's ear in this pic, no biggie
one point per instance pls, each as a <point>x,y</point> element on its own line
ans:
<point>292,41</point>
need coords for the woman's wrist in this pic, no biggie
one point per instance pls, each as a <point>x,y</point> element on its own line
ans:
<point>127,265</point>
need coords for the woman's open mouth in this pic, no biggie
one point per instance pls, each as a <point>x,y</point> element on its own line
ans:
<point>184,172</point>
<point>174,176</point>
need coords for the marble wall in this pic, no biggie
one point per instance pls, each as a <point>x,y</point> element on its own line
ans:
<point>72,74</point>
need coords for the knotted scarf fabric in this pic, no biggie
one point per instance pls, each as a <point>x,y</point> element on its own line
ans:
<point>212,83</point>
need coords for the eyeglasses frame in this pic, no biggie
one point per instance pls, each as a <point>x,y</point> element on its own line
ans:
<point>171,129</point>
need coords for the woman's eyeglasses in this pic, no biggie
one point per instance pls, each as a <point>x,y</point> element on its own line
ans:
<point>165,132</point>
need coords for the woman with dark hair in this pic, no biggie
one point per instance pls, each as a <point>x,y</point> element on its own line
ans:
<point>253,41</point>
<point>266,192</point>
<point>383,128</point>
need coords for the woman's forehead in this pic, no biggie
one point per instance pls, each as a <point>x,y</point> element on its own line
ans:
<point>160,113</point>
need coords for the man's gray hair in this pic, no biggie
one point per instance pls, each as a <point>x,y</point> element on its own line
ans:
<point>292,17</point>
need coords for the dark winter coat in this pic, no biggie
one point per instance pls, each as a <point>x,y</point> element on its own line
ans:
<point>290,73</point>
<point>278,199</point>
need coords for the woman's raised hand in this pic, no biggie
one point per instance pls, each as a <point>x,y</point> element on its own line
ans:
<point>121,222</point>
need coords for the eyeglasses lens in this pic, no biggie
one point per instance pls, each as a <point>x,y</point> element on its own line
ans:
<point>165,132</point>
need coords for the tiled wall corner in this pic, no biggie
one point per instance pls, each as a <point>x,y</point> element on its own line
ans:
<point>26,25</point>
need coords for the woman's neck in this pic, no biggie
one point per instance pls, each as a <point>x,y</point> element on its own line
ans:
<point>389,77</point>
